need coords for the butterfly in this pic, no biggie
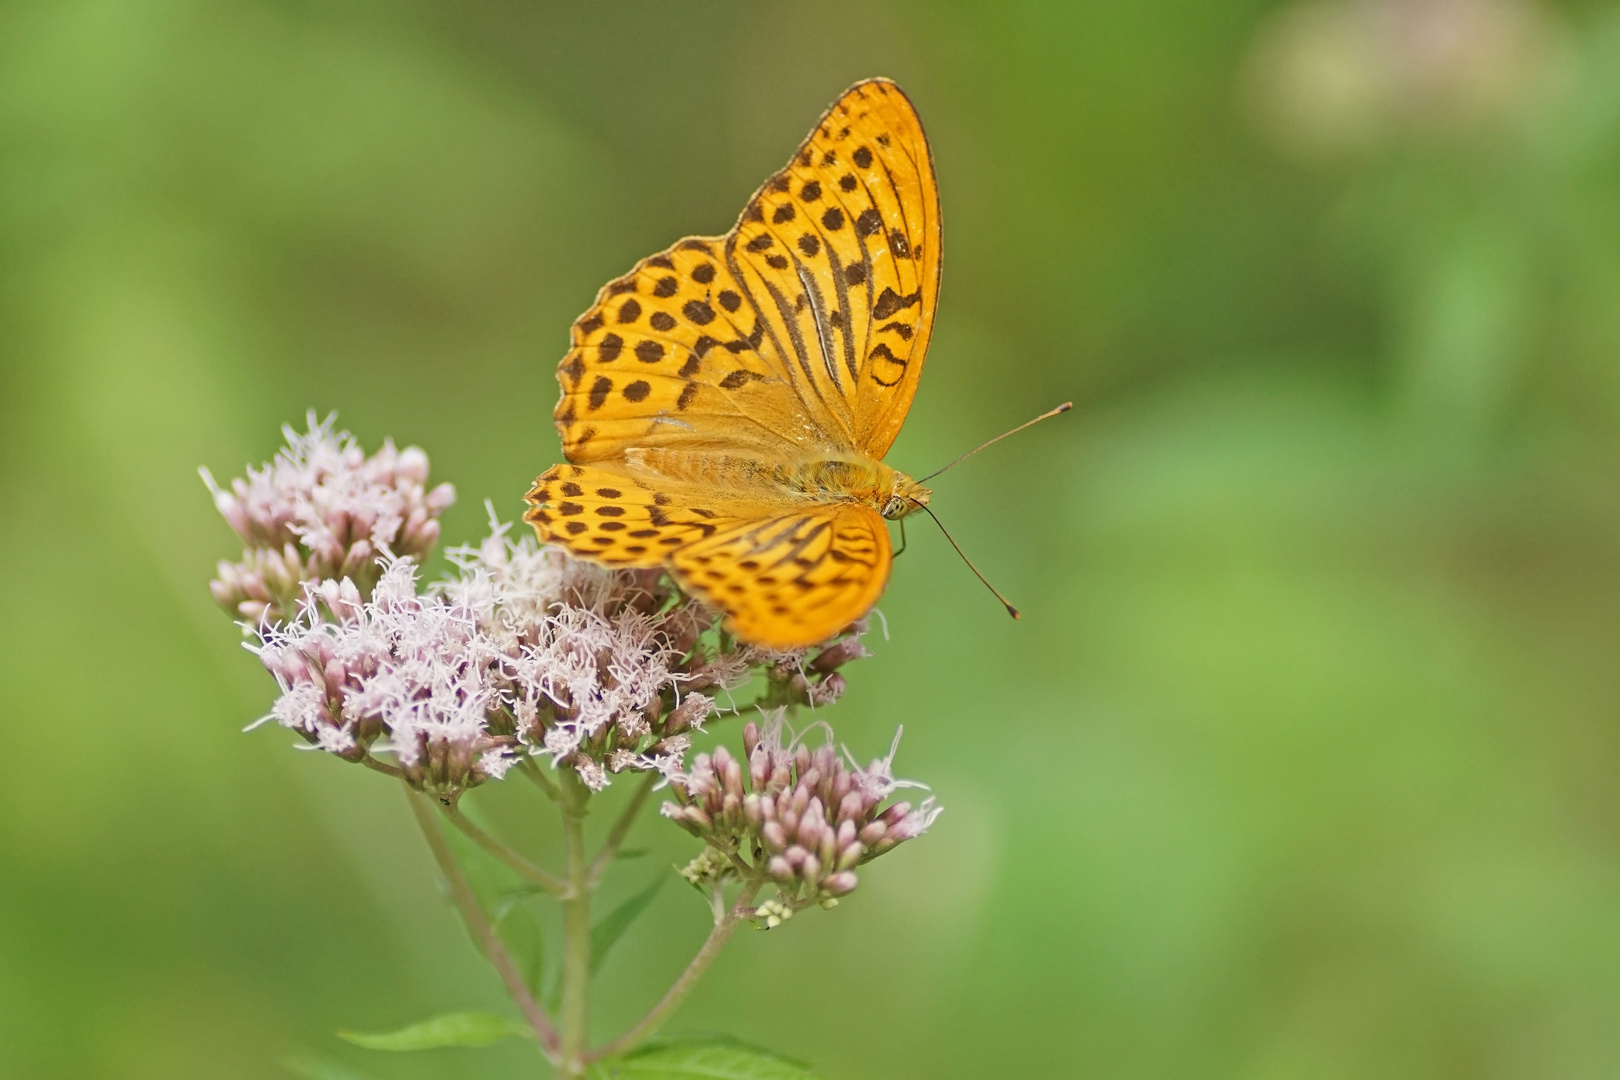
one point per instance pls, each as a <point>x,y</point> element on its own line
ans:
<point>726,405</point>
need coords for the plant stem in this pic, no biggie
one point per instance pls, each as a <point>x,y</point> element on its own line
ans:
<point>538,775</point>
<point>621,828</point>
<point>576,929</point>
<point>525,869</point>
<point>383,767</point>
<point>695,970</point>
<point>489,942</point>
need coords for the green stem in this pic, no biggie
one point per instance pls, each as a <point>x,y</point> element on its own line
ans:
<point>621,828</point>
<point>535,773</point>
<point>716,941</point>
<point>488,941</point>
<point>383,767</point>
<point>576,928</point>
<point>525,869</point>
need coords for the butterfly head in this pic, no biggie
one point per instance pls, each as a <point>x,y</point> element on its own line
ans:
<point>906,496</point>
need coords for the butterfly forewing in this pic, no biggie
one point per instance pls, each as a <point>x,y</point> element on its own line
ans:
<point>670,355</point>
<point>840,252</point>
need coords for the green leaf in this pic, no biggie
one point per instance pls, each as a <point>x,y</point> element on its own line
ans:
<point>617,921</point>
<point>313,1068</point>
<point>700,1059</point>
<point>490,879</point>
<point>451,1029</point>
<point>520,930</point>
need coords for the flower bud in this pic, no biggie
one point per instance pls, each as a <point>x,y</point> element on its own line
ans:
<point>752,812</point>
<point>840,884</point>
<point>412,465</point>
<point>810,871</point>
<point>837,655</point>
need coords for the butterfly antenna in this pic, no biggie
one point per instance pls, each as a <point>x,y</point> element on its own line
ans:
<point>1063,408</point>
<point>1010,609</point>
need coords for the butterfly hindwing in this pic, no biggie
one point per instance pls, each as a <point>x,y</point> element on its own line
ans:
<point>791,580</point>
<point>616,517</point>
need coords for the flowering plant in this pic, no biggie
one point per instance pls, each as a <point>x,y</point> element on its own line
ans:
<point>527,661</point>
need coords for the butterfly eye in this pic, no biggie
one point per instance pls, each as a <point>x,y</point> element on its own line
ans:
<point>895,508</point>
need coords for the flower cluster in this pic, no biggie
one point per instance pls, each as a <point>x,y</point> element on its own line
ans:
<point>525,652</point>
<point>322,511</point>
<point>803,818</point>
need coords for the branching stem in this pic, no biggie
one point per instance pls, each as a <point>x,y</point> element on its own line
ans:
<point>621,829</point>
<point>489,942</point>
<point>524,868</point>
<point>383,767</point>
<point>535,773</point>
<point>711,948</point>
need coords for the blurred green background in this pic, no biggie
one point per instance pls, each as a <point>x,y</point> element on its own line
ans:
<point>1303,761</point>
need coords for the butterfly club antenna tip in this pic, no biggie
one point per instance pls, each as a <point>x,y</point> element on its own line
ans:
<point>986,581</point>
<point>1048,414</point>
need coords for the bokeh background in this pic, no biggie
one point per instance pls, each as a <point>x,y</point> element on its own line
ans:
<point>1304,761</point>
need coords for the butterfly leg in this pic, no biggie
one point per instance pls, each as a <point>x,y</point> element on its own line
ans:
<point>902,548</point>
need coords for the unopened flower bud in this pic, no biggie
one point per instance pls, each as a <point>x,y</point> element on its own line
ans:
<point>811,870</point>
<point>840,884</point>
<point>837,655</point>
<point>412,465</point>
<point>895,814</point>
<point>775,835</point>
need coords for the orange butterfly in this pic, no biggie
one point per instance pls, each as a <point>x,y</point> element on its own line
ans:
<point>726,404</point>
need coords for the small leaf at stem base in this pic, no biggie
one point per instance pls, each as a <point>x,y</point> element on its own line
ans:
<point>617,921</point>
<point>708,1058</point>
<point>310,1067</point>
<point>451,1029</point>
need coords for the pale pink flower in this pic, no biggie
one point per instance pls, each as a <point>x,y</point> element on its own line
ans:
<point>807,817</point>
<point>322,510</point>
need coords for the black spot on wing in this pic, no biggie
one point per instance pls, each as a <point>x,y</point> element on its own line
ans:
<point>891,302</point>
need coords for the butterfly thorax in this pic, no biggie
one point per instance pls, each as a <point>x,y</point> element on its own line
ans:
<point>852,478</point>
